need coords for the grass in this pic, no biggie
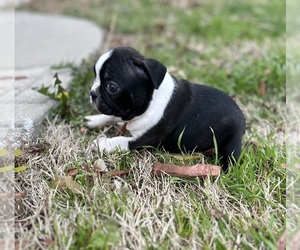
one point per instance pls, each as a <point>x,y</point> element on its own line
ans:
<point>236,46</point>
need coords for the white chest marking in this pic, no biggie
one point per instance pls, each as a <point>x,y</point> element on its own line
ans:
<point>155,112</point>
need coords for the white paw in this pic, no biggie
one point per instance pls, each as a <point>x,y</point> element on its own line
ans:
<point>111,144</point>
<point>94,121</point>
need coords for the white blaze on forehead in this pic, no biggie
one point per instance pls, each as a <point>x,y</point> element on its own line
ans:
<point>98,67</point>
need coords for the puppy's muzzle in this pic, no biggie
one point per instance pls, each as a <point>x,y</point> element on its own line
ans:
<point>93,96</point>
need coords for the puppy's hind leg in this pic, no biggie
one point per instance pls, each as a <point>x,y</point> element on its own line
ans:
<point>230,152</point>
<point>94,121</point>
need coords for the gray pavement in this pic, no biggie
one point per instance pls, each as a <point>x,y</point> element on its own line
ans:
<point>38,42</point>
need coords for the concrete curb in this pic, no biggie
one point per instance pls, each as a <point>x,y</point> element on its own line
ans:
<point>39,42</point>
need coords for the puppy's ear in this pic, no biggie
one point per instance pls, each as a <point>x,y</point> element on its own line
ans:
<point>155,70</point>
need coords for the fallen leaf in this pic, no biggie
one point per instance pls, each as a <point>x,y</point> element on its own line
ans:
<point>262,88</point>
<point>199,170</point>
<point>83,130</point>
<point>47,242</point>
<point>281,243</point>
<point>73,172</point>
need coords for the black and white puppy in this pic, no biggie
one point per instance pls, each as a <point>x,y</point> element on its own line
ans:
<point>162,111</point>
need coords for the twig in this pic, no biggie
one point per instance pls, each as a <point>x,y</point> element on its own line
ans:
<point>121,130</point>
<point>199,170</point>
<point>117,173</point>
<point>111,31</point>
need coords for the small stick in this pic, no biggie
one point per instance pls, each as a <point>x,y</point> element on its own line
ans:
<point>117,173</point>
<point>199,170</point>
<point>121,130</point>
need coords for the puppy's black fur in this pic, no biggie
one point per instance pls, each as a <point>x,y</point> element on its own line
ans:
<point>204,112</point>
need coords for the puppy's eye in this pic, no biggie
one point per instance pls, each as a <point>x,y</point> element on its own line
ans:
<point>112,88</point>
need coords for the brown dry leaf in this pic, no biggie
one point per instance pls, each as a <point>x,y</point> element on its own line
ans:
<point>47,242</point>
<point>262,88</point>
<point>83,130</point>
<point>281,243</point>
<point>73,172</point>
<point>199,170</point>
<point>66,181</point>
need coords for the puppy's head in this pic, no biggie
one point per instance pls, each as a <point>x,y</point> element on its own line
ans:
<point>124,82</point>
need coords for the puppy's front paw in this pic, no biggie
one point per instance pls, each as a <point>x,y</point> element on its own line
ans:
<point>102,144</point>
<point>111,144</point>
<point>94,121</point>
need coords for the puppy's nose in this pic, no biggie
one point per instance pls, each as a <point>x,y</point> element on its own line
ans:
<point>93,95</point>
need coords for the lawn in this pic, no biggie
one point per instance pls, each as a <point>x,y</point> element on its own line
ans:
<point>236,46</point>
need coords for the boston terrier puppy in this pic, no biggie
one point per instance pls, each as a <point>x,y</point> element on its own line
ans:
<point>160,110</point>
